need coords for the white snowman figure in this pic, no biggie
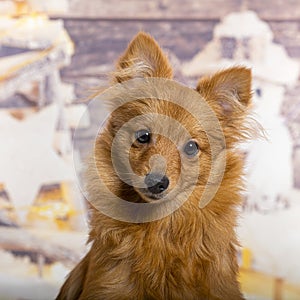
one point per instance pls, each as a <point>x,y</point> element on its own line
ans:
<point>269,162</point>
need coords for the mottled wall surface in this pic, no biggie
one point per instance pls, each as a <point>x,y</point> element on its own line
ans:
<point>269,9</point>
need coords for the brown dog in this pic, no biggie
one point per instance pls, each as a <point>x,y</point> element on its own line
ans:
<point>190,253</point>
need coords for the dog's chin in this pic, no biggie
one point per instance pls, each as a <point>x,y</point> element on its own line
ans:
<point>148,196</point>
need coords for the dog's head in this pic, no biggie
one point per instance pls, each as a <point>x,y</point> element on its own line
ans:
<point>160,147</point>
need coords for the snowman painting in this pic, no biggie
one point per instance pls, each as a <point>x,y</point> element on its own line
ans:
<point>269,162</point>
<point>242,38</point>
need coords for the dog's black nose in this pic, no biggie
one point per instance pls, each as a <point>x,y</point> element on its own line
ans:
<point>156,183</point>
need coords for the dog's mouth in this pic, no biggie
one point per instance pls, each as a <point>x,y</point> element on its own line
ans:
<point>149,196</point>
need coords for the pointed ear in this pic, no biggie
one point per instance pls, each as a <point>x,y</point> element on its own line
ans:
<point>142,58</point>
<point>227,90</point>
<point>229,94</point>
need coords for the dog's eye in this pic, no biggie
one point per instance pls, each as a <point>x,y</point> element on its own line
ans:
<point>191,148</point>
<point>143,136</point>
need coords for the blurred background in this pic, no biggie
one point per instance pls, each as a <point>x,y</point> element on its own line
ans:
<point>55,53</point>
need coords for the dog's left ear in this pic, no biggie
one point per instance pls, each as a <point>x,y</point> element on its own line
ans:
<point>142,58</point>
<point>227,92</point>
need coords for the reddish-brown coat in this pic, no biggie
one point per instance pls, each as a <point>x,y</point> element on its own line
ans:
<point>190,254</point>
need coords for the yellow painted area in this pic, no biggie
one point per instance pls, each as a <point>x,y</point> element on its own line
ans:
<point>291,292</point>
<point>256,284</point>
<point>246,258</point>
<point>263,285</point>
<point>53,206</point>
<point>22,7</point>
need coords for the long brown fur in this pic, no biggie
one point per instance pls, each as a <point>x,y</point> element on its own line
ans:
<point>190,254</point>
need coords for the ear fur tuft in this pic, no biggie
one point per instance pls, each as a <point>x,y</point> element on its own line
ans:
<point>142,58</point>
<point>229,94</point>
<point>227,88</point>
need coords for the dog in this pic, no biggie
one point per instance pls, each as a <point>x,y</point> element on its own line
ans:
<point>190,253</point>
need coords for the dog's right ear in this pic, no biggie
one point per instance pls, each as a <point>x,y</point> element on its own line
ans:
<point>142,58</point>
